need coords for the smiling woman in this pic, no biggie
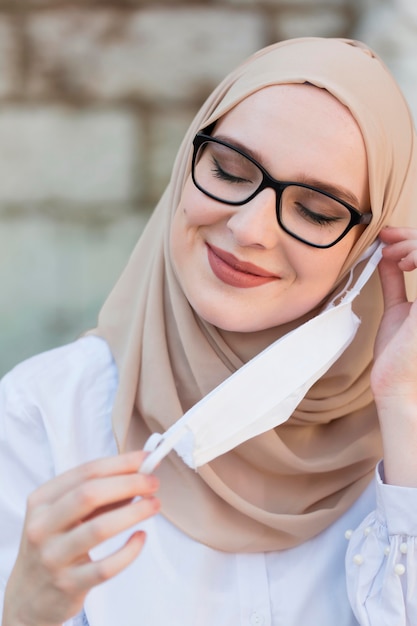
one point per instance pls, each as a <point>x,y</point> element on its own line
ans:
<point>282,189</point>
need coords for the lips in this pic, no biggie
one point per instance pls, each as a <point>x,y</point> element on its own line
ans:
<point>234,272</point>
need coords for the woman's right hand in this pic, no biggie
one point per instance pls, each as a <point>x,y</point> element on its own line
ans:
<point>67,517</point>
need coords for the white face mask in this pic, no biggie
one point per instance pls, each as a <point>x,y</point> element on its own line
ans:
<point>257,397</point>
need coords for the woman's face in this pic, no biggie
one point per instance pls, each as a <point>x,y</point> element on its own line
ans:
<point>239,270</point>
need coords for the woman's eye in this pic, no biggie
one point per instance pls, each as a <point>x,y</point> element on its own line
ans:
<point>317,218</point>
<point>221,173</point>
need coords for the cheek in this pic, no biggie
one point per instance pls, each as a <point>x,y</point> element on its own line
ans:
<point>318,270</point>
<point>190,216</point>
<point>196,209</point>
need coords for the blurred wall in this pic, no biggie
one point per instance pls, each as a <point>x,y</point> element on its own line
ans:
<point>94,99</point>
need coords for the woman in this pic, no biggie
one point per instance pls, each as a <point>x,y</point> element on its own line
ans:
<point>299,524</point>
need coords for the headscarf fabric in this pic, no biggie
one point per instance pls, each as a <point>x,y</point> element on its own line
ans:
<point>285,486</point>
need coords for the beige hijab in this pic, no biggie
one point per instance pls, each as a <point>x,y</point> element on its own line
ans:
<point>285,486</point>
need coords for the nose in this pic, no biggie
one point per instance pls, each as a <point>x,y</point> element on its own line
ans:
<point>255,223</point>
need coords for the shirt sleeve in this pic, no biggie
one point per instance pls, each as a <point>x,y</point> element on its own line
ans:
<point>381,560</point>
<point>54,414</point>
<point>25,463</point>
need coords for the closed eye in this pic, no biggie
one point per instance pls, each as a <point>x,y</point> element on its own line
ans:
<point>317,218</point>
<point>221,174</point>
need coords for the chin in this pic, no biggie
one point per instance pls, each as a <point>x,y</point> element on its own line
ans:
<point>221,318</point>
<point>234,323</point>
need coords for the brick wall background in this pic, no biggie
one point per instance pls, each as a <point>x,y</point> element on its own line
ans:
<point>94,99</point>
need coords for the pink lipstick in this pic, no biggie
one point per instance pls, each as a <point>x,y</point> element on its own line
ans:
<point>231,271</point>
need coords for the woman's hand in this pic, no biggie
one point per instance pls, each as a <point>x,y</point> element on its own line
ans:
<point>395,370</point>
<point>394,374</point>
<point>67,517</point>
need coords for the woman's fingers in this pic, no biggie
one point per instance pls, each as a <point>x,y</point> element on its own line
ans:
<point>93,507</point>
<point>393,284</point>
<point>74,545</point>
<point>82,578</point>
<point>393,234</point>
<point>401,247</point>
<point>66,518</point>
<point>51,596</point>
<point>403,253</point>
<point>109,466</point>
<point>88,499</point>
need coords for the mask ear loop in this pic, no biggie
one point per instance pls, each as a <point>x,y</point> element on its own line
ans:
<point>374,254</point>
<point>159,445</point>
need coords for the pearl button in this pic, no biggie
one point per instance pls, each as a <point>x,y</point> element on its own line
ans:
<point>256,619</point>
<point>367,531</point>
<point>387,550</point>
<point>348,534</point>
<point>399,569</point>
<point>403,548</point>
<point>358,559</point>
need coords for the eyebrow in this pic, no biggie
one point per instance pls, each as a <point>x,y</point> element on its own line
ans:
<point>339,192</point>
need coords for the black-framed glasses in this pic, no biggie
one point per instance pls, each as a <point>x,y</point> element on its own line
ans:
<point>315,217</point>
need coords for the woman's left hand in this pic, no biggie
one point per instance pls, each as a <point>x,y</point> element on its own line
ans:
<point>394,374</point>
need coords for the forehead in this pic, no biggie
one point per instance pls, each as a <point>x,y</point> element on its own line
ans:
<point>304,103</point>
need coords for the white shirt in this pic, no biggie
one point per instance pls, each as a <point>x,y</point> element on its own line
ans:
<point>55,413</point>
